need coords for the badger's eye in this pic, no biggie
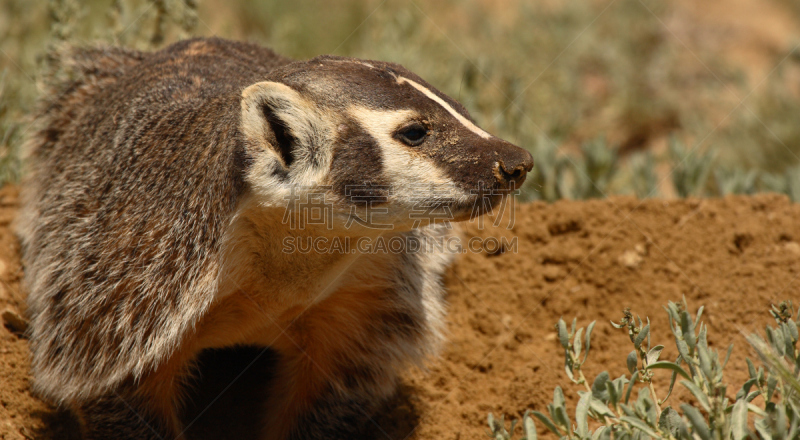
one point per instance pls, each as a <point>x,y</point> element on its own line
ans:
<point>413,134</point>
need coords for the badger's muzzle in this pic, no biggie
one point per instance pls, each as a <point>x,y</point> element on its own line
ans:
<point>512,165</point>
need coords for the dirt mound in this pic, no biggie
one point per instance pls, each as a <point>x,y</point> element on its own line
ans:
<point>573,259</point>
<point>590,260</point>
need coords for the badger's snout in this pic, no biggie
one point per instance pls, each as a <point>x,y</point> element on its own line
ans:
<point>512,165</point>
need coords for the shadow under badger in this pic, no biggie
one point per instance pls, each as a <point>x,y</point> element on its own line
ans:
<point>155,216</point>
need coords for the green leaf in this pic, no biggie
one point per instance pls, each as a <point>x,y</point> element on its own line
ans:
<point>746,387</point>
<point>670,421</point>
<point>697,317</point>
<point>672,315</point>
<point>727,356</point>
<point>562,418</point>
<point>793,330</point>
<point>600,408</point>
<point>601,433</point>
<point>558,409</point>
<point>702,337</point>
<point>739,420</point>
<point>641,336</point>
<point>750,368</point>
<point>568,365</point>
<point>687,330</point>
<point>795,427</point>
<point>576,343</point>
<point>756,410</point>
<point>646,406</point>
<point>778,343</point>
<point>563,336</point>
<point>667,365</point>
<point>530,428</point>
<point>705,362</point>
<point>588,340</point>
<point>781,421</point>
<point>683,349</point>
<point>697,421</point>
<point>654,354</point>
<point>613,396</point>
<point>632,360</point>
<point>619,388</point>
<point>752,396</point>
<point>634,378</point>
<point>763,429</point>
<point>558,397</point>
<point>771,384</point>
<point>701,397</point>
<point>547,423</point>
<point>671,382</point>
<point>599,387</point>
<point>627,410</point>
<point>582,415</point>
<point>787,337</point>
<point>640,425</point>
<point>671,386</point>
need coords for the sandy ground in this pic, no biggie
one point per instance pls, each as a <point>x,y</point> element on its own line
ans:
<point>573,259</point>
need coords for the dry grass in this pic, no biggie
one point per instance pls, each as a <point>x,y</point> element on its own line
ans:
<point>558,77</point>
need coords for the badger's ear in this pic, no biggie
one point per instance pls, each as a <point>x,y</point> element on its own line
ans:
<point>278,119</point>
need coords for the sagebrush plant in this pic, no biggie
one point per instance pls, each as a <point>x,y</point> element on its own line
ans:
<point>619,414</point>
<point>600,171</point>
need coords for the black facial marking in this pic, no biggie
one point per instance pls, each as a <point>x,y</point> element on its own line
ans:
<point>357,166</point>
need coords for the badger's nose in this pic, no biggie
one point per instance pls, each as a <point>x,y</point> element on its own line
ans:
<point>512,166</point>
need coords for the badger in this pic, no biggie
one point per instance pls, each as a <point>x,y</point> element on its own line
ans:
<point>155,213</point>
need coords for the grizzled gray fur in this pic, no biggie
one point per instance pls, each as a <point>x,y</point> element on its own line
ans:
<point>154,217</point>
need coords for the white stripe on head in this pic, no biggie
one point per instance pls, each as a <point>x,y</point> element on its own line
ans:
<point>464,121</point>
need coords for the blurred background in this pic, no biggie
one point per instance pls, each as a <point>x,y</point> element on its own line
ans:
<point>642,97</point>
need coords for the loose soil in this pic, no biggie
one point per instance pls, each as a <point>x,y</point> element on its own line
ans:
<point>589,260</point>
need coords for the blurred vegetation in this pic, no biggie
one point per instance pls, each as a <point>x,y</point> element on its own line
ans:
<point>606,95</point>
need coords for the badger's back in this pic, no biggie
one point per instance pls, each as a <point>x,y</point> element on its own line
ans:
<point>134,173</point>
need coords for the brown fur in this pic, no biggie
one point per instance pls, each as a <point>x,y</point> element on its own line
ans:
<point>151,232</point>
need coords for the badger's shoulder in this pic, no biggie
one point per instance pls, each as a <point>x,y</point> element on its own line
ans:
<point>135,171</point>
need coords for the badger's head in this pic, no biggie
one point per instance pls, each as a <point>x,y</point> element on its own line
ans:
<point>372,138</point>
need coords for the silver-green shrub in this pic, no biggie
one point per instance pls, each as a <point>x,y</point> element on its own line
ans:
<point>623,415</point>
